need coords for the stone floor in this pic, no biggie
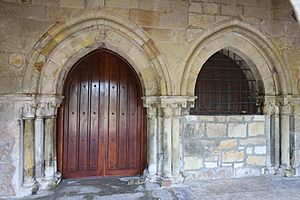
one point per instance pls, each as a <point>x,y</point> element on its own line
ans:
<point>264,187</point>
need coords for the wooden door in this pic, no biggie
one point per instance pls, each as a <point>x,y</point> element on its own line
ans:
<point>101,123</point>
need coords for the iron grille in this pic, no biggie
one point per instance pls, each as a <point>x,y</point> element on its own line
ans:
<point>225,85</point>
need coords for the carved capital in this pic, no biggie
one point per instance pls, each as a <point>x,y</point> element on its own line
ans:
<point>152,105</point>
<point>168,106</point>
<point>284,103</point>
<point>47,105</point>
<point>175,106</point>
<point>28,110</point>
<point>270,106</point>
<point>296,106</point>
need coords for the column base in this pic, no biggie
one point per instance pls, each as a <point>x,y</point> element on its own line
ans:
<point>51,182</point>
<point>167,182</point>
<point>30,188</point>
<point>281,171</point>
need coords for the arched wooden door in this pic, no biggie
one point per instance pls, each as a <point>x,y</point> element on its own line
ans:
<point>101,123</point>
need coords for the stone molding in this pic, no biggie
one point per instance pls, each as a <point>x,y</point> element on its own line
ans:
<point>61,47</point>
<point>171,106</point>
<point>250,44</point>
<point>48,105</point>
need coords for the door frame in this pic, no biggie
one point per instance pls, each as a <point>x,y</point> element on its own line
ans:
<point>60,118</point>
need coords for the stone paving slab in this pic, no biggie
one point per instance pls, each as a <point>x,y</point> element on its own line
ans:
<point>134,188</point>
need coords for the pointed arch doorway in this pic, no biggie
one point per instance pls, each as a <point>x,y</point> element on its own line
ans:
<point>101,130</point>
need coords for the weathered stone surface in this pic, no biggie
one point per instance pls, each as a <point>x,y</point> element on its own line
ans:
<point>260,150</point>
<point>200,147</point>
<point>211,8</point>
<point>256,160</point>
<point>237,130</point>
<point>233,156</point>
<point>6,175</point>
<point>228,144</point>
<point>6,144</point>
<point>122,4</point>
<point>242,172</point>
<point>223,172</point>
<point>77,4</point>
<point>214,130</point>
<point>144,18</point>
<point>195,7</point>
<point>256,129</point>
<point>200,21</point>
<point>231,10</point>
<point>249,150</point>
<point>210,164</point>
<point>192,131</point>
<point>252,141</point>
<point>192,163</point>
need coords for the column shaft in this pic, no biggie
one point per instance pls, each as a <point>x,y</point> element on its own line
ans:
<point>152,145</point>
<point>167,144</point>
<point>175,146</point>
<point>49,147</point>
<point>28,176</point>
<point>39,143</point>
<point>285,140</point>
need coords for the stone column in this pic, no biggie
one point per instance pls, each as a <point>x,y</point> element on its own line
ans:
<point>151,103</point>
<point>167,141</point>
<point>285,112</point>
<point>28,115</point>
<point>48,109</point>
<point>39,144</point>
<point>49,149</point>
<point>268,112</point>
<point>172,107</point>
<point>296,136</point>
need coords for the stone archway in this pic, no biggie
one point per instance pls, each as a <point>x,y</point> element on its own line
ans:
<point>59,48</point>
<point>52,58</point>
<point>250,44</point>
<point>266,62</point>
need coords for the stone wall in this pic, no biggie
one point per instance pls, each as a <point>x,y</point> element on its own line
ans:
<point>168,32</point>
<point>224,146</point>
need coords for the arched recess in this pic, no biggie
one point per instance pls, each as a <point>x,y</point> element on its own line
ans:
<point>250,44</point>
<point>66,42</point>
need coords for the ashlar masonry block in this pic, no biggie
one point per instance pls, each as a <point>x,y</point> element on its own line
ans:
<point>214,130</point>
<point>256,160</point>
<point>237,130</point>
<point>233,156</point>
<point>192,163</point>
<point>256,129</point>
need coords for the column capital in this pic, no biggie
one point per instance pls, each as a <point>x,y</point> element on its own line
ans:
<point>284,102</point>
<point>48,104</point>
<point>173,106</point>
<point>29,109</point>
<point>270,106</point>
<point>296,105</point>
<point>170,105</point>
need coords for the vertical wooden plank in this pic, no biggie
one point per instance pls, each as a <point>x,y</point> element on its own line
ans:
<point>94,113</point>
<point>132,137</point>
<point>113,100</point>
<point>123,113</point>
<point>72,150</point>
<point>83,121</point>
<point>103,111</point>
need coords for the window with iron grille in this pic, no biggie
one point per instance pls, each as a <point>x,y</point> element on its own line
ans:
<point>225,85</point>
